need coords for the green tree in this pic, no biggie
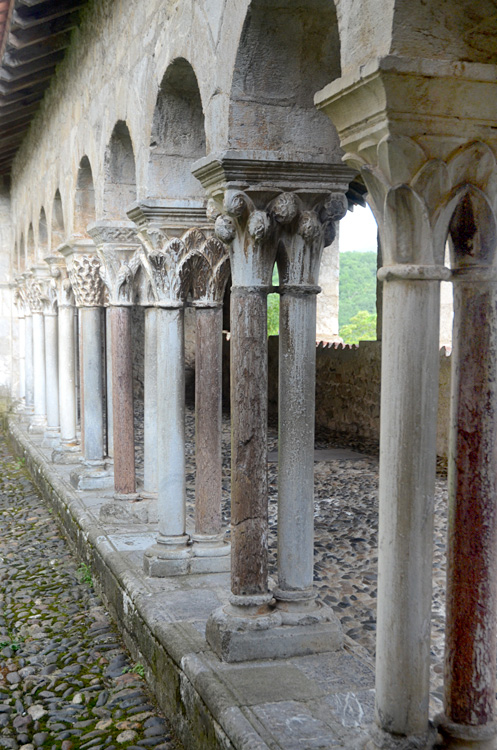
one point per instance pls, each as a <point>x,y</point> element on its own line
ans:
<point>362,327</point>
<point>357,285</point>
<point>273,308</point>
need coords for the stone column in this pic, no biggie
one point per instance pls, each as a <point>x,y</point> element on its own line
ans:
<point>150,468</point>
<point>167,265</point>
<point>304,231</point>
<point>68,449</point>
<point>37,300</point>
<point>108,370</point>
<point>209,277</point>
<point>28,342</point>
<point>248,627</point>
<point>117,249</point>
<point>470,719</point>
<point>84,274</point>
<point>52,429</point>
<point>20,303</point>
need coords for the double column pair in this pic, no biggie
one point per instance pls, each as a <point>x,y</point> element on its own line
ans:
<point>422,189</point>
<point>178,265</point>
<point>270,220</point>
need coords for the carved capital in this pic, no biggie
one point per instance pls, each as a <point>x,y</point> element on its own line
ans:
<point>37,290</point>
<point>118,249</point>
<point>87,285</point>
<point>60,281</point>
<point>20,297</point>
<point>419,132</point>
<point>169,270</point>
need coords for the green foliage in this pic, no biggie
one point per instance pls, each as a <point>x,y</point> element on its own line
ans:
<point>362,327</point>
<point>357,286</point>
<point>138,669</point>
<point>273,314</point>
<point>273,308</point>
<point>84,573</point>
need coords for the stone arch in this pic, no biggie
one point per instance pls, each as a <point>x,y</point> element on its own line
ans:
<point>119,173</point>
<point>30,248</point>
<point>288,51</point>
<point>42,235</point>
<point>57,228</point>
<point>178,134</point>
<point>84,202</point>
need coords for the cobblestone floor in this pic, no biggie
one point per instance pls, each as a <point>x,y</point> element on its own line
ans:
<point>66,681</point>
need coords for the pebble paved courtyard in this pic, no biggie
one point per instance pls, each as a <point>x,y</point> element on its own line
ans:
<point>66,681</point>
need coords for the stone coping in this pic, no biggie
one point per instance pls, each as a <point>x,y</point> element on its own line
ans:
<point>316,701</point>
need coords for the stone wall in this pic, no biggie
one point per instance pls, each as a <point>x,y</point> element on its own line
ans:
<point>348,392</point>
<point>9,355</point>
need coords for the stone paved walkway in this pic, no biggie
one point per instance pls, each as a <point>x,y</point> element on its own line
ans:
<point>66,681</point>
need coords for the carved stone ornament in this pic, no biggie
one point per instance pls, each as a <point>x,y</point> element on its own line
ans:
<point>20,297</point>
<point>118,251</point>
<point>210,273</point>
<point>37,294</point>
<point>414,196</point>
<point>86,282</point>
<point>60,281</point>
<point>169,270</point>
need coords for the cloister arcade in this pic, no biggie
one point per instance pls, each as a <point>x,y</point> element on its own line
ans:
<point>181,152</point>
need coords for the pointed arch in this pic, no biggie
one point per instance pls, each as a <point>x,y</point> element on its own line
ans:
<point>119,173</point>
<point>30,247</point>
<point>178,134</point>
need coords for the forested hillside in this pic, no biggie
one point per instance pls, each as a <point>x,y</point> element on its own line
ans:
<point>357,294</point>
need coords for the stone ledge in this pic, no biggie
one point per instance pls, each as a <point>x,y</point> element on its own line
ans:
<point>207,701</point>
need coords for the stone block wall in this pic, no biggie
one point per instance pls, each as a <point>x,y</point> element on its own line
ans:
<point>348,380</point>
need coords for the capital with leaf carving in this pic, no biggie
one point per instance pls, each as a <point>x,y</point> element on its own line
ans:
<point>118,250</point>
<point>83,268</point>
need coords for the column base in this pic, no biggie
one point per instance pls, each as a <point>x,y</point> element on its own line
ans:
<point>381,740</point>
<point>67,453</point>
<point>37,425</point>
<point>170,557</point>
<point>51,438</point>
<point>95,476</point>
<point>465,736</point>
<point>240,632</point>
<point>210,554</point>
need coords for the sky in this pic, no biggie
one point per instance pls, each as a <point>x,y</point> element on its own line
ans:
<point>358,231</point>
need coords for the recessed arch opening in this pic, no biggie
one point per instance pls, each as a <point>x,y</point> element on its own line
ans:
<point>57,229</point>
<point>31,253</point>
<point>178,135</point>
<point>288,50</point>
<point>119,174</point>
<point>84,203</point>
<point>42,235</point>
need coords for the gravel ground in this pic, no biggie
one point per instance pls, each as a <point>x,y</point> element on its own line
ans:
<point>66,681</point>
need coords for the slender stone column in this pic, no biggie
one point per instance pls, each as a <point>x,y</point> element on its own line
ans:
<point>150,480</point>
<point>38,299</point>
<point>471,624</point>
<point>52,430</point>
<point>108,370</point>
<point>210,550</point>
<point>84,275</point>
<point>167,261</point>
<point>301,246</point>
<point>251,224</point>
<point>117,248</point>
<point>67,451</point>
<point>28,348</point>
<point>409,387</point>
<point>20,302</point>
